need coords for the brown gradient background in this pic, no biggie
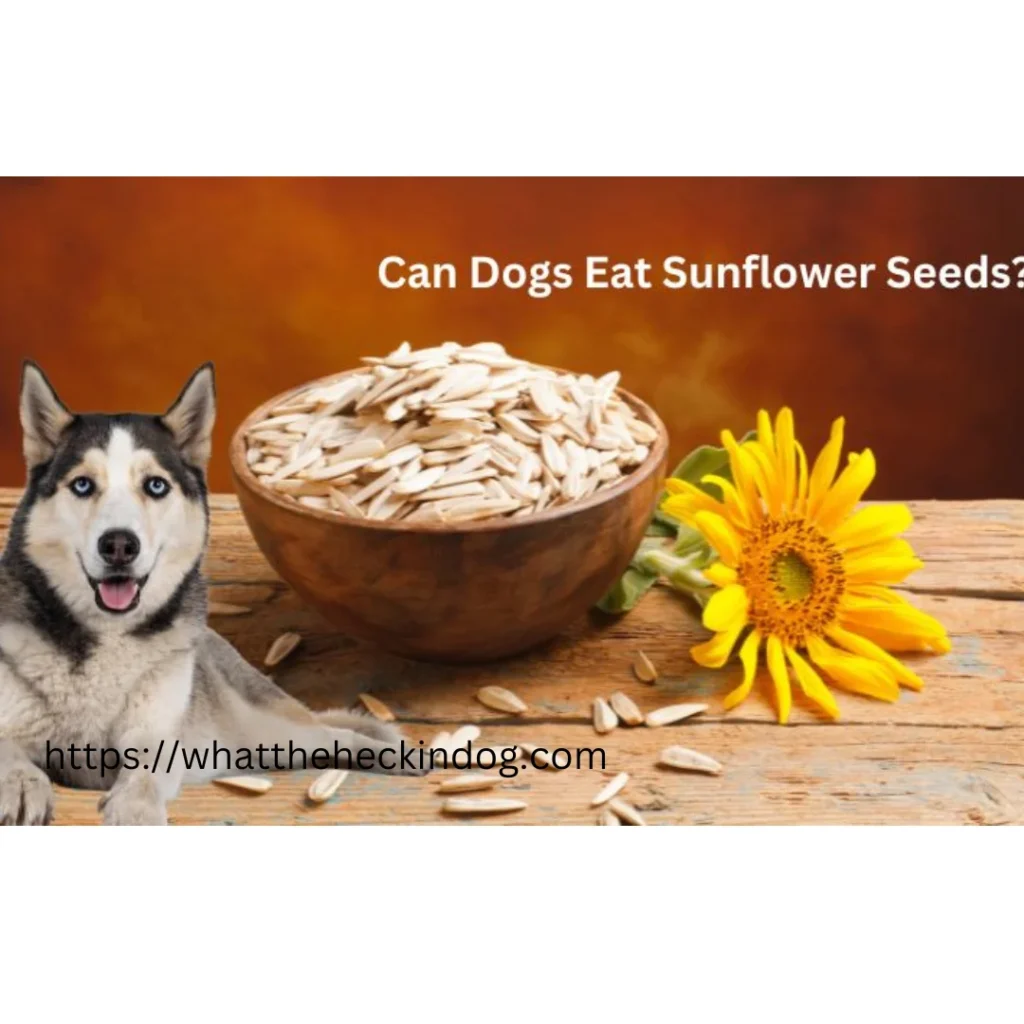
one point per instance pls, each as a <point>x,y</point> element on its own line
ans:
<point>120,287</point>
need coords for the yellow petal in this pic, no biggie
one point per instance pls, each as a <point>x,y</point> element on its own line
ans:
<point>766,476</point>
<point>726,608</point>
<point>901,619</point>
<point>733,501</point>
<point>765,434</point>
<point>742,474</point>
<point>780,677</point>
<point>748,655</point>
<point>801,483</point>
<point>883,570</point>
<point>714,653</point>
<point>882,561</point>
<point>687,498</point>
<point>720,574</point>
<point>872,524</point>
<point>825,467</point>
<point>722,537</point>
<point>786,456</point>
<point>876,592</point>
<point>810,682</point>
<point>895,642</point>
<point>846,491</point>
<point>864,647</point>
<point>854,673</point>
<point>895,547</point>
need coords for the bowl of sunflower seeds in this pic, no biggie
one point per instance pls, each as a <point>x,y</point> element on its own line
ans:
<point>450,503</point>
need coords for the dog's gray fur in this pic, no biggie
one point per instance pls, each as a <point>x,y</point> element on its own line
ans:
<point>73,669</point>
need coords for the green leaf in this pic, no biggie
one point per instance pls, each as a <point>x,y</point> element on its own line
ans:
<point>632,586</point>
<point>635,581</point>
<point>662,526</point>
<point>689,552</point>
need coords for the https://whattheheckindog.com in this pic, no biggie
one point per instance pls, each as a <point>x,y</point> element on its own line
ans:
<point>166,756</point>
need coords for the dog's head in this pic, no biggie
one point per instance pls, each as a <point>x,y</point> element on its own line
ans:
<point>115,514</point>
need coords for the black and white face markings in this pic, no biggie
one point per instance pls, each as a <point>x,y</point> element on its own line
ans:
<point>114,515</point>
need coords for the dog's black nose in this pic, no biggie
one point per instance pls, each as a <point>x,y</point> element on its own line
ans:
<point>118,547</point>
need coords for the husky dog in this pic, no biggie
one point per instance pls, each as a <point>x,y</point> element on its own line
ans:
<point>103,635</point>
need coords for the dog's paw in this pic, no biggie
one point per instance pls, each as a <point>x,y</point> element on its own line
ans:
<point>132,810</point>
<point>26,796</point>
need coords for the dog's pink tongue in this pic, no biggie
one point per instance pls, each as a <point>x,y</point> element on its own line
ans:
<point>118,594</point>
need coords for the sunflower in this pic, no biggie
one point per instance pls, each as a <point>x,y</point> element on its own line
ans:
<point>802,574</point>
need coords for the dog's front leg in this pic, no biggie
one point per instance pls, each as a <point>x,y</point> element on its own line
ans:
<point>26,796</point>
<point>145,736</point>
<point>140,795</point>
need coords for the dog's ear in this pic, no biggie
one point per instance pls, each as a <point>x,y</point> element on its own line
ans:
<point>43,415</point>
<point>190,418</point>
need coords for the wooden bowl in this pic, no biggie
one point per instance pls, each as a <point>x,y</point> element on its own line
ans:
<point>472,592</point>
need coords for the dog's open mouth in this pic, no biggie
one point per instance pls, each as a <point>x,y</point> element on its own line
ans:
<point>117,594</point>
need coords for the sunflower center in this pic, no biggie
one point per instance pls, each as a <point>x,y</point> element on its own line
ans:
<point>794,578</point>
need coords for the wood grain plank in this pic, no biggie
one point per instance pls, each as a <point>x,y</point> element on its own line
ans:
<point>817,774</point>
<point>950,754</point>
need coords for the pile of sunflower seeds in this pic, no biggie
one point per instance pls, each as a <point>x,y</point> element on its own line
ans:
<point>448,435</point>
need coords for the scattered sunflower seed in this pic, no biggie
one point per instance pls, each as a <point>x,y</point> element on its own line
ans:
<point>643,668</point>
<point>377,708</point>
<point>626,709</point>
<point>463,735</point>
<point>497,698</point>
<point>326,785</point>
<point>468,783</point>
<point>610,789</point>
<point>626,812</point>
<point>281,648</point>
<point>247,783</point>
<point>673,713</point>
<point>442,741</point>
<point>608,817</point>
<point>474,805</point>
<point>604,718</point>
<point>689,761</point>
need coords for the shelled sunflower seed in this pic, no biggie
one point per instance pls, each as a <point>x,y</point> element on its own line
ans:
<point>326,785</point>
<point>643,668</point>
<point>468,783</point>
<point>497,698</point>
<point>610,789</point>
<point>377,707</point>
<point>625,707</point>
<point>463,735</point>
<point>281,648</point>
<point>626,812</point>
<point>470,805</point>
<point>604,718</point>
<point>687,760</point>
<point>246,783</point>
<point>448,434</point>
<point>673,713</point>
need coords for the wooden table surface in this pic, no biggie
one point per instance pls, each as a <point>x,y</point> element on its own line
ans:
<point>952,754</point>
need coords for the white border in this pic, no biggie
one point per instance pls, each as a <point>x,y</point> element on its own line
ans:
<point>566,88</point>
<point>515,923</point>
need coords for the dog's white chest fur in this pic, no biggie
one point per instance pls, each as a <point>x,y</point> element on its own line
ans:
<point>84,704</point>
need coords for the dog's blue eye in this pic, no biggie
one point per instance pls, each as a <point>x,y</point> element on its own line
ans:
<point>156,486</point>
<point>82,486</point>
